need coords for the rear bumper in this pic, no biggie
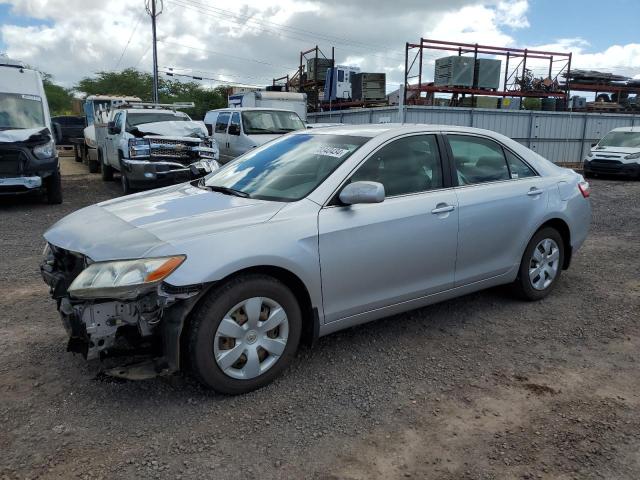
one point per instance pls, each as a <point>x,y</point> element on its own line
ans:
<point>611,168</point>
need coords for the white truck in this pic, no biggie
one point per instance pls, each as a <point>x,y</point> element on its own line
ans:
<point>291,101</point>
<point>97,109</point>
<point>28,158</point>
<point>154,145</point>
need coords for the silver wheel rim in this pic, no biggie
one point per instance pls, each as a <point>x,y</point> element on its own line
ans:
<point>251,338</point>
<point>544,263</point>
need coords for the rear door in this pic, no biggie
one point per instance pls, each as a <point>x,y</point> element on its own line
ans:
<point>501,201</point>
<point>377,255</point>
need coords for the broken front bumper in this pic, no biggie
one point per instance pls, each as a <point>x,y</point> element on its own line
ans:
<point>147,172</point>
<point>149,326</point>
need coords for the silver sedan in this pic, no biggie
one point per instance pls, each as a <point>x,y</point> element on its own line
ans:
<point>314,232</point>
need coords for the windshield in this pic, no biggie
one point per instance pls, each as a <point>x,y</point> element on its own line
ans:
<point>621,139</point>
<point>21,111</point>
<point>287,169</point>
<point>134,119</point>
<point>270,121</point>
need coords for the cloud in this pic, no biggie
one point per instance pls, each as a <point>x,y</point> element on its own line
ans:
<point>259,40</point>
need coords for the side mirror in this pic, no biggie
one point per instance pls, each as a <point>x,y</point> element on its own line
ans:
<point>593,145</point>
<point>111,127</point>
<point>234,129</point>
<point>362,192</point>
<point>57,132</point>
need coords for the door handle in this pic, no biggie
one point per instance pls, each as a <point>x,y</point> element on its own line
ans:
<point>443,208</point>
<point>534,192</point>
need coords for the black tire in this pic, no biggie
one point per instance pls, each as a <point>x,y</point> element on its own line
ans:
<point>54,188</point>
<point>206,319</point>
<point>77,151</point>
<point>523,285</point>
<point>587,174</point>
<point>126,186</point>
<point>107,170</point>
<point>94,166</point>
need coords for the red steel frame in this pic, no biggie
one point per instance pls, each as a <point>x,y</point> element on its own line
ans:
<point>509,89</point>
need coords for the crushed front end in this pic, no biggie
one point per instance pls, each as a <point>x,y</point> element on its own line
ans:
<point>161,160</point>
<point>27,161</point>
<point>142,329</point>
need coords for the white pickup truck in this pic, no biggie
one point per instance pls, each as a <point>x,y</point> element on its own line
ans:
<point>154,145</point>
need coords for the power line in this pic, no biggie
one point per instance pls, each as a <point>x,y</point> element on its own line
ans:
<point>244,75</point>
<point>225,54</point>
<point>129,41</point>
<point>292,32</point>
<point>215,79</point>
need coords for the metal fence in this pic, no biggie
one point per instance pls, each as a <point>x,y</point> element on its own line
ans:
<point>559,136</point>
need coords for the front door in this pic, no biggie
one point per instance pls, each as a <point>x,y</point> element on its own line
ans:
<point>501,201</point>
<point>221,136</point>
<point>235,138</point>
<point>376,255</point>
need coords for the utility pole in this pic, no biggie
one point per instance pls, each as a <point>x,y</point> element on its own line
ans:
<point>154,12</point>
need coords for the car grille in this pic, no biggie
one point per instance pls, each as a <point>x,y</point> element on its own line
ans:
<point>605,163</point>
<point>11,162</point>
<point>168,152</point>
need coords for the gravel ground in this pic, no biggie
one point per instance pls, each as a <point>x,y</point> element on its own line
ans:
<point>482,387</point>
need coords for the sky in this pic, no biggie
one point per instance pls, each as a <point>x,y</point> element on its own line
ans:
<point>252,41</point>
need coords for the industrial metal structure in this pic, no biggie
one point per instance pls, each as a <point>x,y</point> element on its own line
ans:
<point>515,73</point>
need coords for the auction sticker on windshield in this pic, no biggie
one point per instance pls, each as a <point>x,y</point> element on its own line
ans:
<point>331,151</point>
<point>31,97</point>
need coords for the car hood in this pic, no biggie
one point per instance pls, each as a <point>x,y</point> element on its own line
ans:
<point>25,135</point>
<point>612,149</point>
<point>261,139</point>
<point>174,129</point>
<point>133,226</point>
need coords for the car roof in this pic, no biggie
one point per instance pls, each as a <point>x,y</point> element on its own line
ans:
<point>374,130</point>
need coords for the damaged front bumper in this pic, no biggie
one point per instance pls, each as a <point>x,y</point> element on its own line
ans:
<point>147,329</point>
<point>147,172</point>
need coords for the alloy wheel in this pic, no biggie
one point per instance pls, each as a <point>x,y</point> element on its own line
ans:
<point>251,338</point>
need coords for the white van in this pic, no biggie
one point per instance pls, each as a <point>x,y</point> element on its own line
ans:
<point>618,153</point>
<point>28,158</point>
<point>238,130</point>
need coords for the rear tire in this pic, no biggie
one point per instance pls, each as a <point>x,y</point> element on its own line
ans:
<point>246,334</point>
<point>541,265</point>
<point>54,188</point>
<point>94,166</point>
<point>107,170</point>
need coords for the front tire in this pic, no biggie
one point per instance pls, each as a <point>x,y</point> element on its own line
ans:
<point>54,188</point>
<point>541,265</point>
<point>244,334</point>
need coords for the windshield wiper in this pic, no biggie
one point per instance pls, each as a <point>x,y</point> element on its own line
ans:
<point>228,191</point>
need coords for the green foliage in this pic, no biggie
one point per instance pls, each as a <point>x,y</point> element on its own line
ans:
<point>59,98</point>
<point>132,82</point>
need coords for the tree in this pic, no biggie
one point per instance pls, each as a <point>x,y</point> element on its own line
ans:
<point>59,98</point>
<point>132,82</point>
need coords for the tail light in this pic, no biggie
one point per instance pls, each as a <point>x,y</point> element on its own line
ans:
<point>584,188</point>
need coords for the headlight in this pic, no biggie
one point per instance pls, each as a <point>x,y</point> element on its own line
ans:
<point>139,148</point>
<point>632,156</point>
<point>124,279</point>
<point>46,150</point>
<point>590,154</point>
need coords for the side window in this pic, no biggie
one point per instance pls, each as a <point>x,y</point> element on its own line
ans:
<point>222,121</point>
<point>478,160</point>
<point>517,167</point>
<point>118,120</point>
<point>408,165</point>
<point>235,121</point>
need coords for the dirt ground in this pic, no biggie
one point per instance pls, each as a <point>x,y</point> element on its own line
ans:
<point>482,387</point>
